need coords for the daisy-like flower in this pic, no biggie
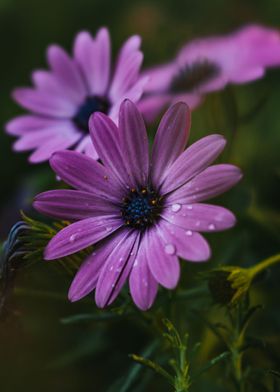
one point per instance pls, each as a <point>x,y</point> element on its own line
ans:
<point>141,213</point>
<point>64,97</point>
<point>209,64</point>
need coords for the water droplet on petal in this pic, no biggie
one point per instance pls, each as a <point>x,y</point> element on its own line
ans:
<point>189,207</point>
<point>108,228</point>
<point>189,232</point>
<point>135,263</point>
<point>145,282</point>
<point>111,268</point>
<point>176,207</point>
<point>197,223</point>
<point>113,285</point>
<point>170,249</point>
<point>118,269</point>
<point>211,226</point>
<point>72,238</point>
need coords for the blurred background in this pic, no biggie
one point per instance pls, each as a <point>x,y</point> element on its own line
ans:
<point>37,349</point>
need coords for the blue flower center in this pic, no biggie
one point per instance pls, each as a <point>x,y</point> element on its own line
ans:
<point>194,75</point>
<point>141,208</point>
<point>91,105</point>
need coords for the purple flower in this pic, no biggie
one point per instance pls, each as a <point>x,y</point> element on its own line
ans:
<point>64,97</point>
<point>209,64</point>
<point>141,213</point>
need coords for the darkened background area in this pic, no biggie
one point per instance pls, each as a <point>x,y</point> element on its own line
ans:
<point>37,350</point>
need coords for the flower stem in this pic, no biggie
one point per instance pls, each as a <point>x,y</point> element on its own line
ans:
<point>264,264</point>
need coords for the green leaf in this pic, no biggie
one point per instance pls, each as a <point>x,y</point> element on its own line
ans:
<point>211,363</point>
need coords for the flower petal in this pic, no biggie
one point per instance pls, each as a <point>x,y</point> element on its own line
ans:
<point>44,103</point>
<point>67,72</point>
<point>192,161</point>
<point>143,286</point>
<point>211,182</point>
<point>116,269</point>
<point>200,217</point>
<point>127,69</point>
<point>86,278</point>
<point>163,262</point>
<point>27,123</point>
<point>80,235</point>
<point>72,205</point>
<point>55,144</point>
<point>102,60</point>
<point>86,174</point>
<point>134,142</point>
<point>170,140</point>
<point>189,245</point>
<point>105,137</point>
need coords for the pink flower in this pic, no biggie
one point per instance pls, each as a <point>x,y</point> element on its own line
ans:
<point>140,212</point>
<point>64,97</point>
<point>209,64</point>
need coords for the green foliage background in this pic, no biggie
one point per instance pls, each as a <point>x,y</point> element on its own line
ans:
<point>38,351</point>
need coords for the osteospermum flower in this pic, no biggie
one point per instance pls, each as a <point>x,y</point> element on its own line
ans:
<point>141,213</point>
<point>209,64</point>
<point>64,97</point>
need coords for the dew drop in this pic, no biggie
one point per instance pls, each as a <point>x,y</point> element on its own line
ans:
<point>145,282</point>
<point>108,228</point>
<point>72,238</point>
<point>189,207</point>
<point>118,269</point>
<point>189,232</point>
<point>135,263</point>
<point>197,223</point>
<point>111,268</point>
<point>176,207</point>
<point>170,249</point>
<point>211,226</point>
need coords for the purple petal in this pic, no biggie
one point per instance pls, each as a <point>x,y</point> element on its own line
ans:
<point>85,146</point>
<point>170,140</point>
<point>116,269</point>
<point>189,245</point>
<point>127,69</point>
<point>101,68</point>
<point>143,286</point>
<point>133,94</point>
<point>49,83</point>
<point>80,235</point>
<point>160,77</point>
<point>26,123</point>
<point>212,182</point>
<point>67,72</point>
<point>44,103</point>
<point>134,142</point>
<point>84,54</point>
<point>152,106</point>
<point>105,137</point>
<point>55,144</point>
<point>59,130</point>
<point>72,205</point>
<point>87,276</point>
<point>162,260</point>
<point>192,161</point>
<point>85,174</point>
<point>199,217</point>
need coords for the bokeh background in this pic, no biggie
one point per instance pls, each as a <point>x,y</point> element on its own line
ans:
<point>37,350</point>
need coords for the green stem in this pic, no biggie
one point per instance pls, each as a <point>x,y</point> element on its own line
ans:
<point>265,264</point>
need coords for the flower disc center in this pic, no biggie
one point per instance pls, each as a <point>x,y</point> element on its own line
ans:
<point>141,209</point>
<point>194,75</point>
<point>91,105</point>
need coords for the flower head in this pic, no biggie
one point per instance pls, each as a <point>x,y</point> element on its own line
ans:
<point>141,212</point>
<point>209,64</point>
<point>63,98</point>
